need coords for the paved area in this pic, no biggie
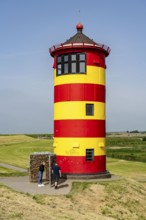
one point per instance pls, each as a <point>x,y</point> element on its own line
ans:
<point>22,183</point>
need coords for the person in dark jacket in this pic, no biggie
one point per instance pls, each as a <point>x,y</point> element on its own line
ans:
<point>56,174</point>
<point>40,174</point>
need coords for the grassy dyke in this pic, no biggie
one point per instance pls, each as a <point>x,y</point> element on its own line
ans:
<point>13,139</point>
<point>127,148</point>
<point>5,172</point>
<point>15,150</point>
<point>128,169</point>
<point>116,200</point>
<point>124,200</point>
<point>44,136</point>
<point>121,199</point>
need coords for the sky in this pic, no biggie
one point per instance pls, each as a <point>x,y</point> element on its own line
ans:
<point>28,28</point>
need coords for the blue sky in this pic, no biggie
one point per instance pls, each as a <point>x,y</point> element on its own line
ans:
<point>29,27</point>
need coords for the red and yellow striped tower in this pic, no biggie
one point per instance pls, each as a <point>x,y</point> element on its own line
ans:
<point>79,105</point>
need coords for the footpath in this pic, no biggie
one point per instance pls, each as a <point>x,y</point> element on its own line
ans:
<point>23,185</point>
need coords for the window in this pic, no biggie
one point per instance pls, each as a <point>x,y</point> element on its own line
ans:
<point>59,69</point>
<point>82,67</point>
<point>89,154</point>
<point>71,63</point>
<point>89,109</point>
<point>66,68</point>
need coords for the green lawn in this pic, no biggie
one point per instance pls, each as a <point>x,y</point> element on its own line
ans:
<point>5,172</point>
<point>17,150</point>
<point>127,148</point>
<point>13,139</point>
<point>131,169</point>
<point>121,199</point>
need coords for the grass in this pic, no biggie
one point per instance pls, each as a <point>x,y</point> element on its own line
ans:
<point>5,172</point>
<point>12,139</point>
<point>17,149</point>
<point>128,148</point>
<point>129,169</point>
<point>124,200</point>
<point>121,199</point>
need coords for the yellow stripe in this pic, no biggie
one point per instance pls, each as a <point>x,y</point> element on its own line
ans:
<point>94,75</point>
<point>78,146</point>
<point>77,110</point>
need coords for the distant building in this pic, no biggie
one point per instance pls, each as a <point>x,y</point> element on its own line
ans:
<point>79,105</point>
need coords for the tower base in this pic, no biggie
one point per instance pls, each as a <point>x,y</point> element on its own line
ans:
<point>100,175</point>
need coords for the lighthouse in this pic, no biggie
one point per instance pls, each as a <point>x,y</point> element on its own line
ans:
<point>79,105</point>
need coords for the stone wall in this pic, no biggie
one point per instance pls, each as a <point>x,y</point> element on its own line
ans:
<point>35,161</point>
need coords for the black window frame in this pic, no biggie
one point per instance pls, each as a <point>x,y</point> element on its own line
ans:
<point>89,109</point>
<point>78,61</point>
<point>90,154</point>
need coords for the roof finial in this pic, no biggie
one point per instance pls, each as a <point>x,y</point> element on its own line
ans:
<point>79,26</point>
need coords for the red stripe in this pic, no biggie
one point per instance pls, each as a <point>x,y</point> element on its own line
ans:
<point>79,92</point>
<point>79,128</point>
<point>79,165</point>
<point>94,57</point>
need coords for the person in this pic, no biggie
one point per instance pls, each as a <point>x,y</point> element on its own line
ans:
<point>40,174</point>
<point>56,174</point>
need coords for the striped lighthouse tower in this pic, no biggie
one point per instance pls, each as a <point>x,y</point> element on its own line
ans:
<point>79,105</point>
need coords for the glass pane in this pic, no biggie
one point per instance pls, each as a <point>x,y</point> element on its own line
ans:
<point>82,56</point>
<point>73,57</point>
<point>89,109</point>
<point>66,68</point>
<point>59,69</point>
<point>89,154</point>
<point>65,58</point>
<point>73,67</point>
<point>82,67</point>
<point>59,59</point>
